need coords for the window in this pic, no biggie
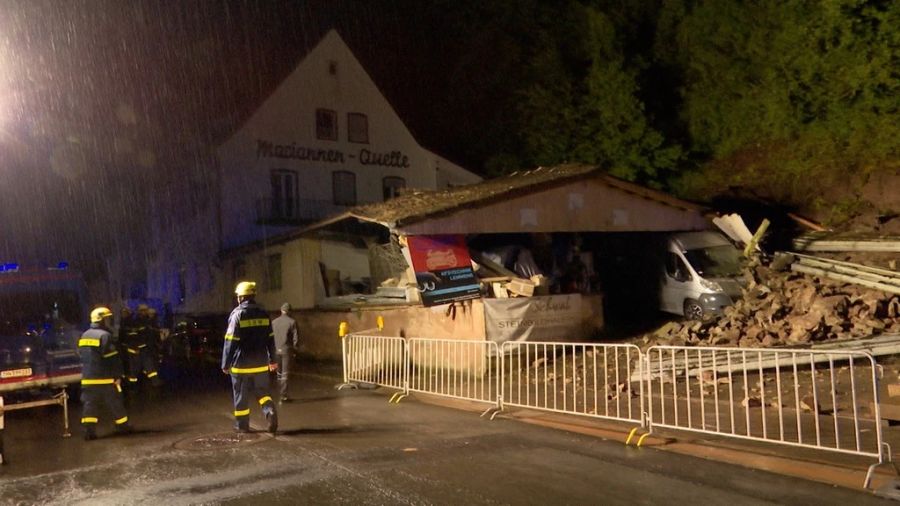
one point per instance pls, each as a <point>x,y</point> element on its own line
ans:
<point>344,188</point>
<point>332,68</point>
<point>676,269</point>
<point>391,186</point>
<point>326,125</point>
<point>273,272</point>
<point>284,194</point>
<point>357,127</point>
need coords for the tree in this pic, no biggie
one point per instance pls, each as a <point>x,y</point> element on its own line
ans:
<point>787,95</point>
<point>579,101</point>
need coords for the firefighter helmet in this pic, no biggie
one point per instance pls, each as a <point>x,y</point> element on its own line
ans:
<point>98,314</point>
<point>245,288</point>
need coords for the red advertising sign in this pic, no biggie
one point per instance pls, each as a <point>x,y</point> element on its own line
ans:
<point>443,269</point>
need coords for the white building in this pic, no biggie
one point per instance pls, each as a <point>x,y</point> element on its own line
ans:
<point>324,141</point>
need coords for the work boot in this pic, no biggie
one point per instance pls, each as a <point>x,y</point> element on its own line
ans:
<point>272,419</point>
<point>125,428</point>
<point>90,434</point>
<point>241,430</point>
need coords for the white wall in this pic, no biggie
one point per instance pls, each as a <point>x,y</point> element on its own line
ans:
<point>188,238</point>
<point>300,281</point>
<point>286,122</point>
<point>353,262</point>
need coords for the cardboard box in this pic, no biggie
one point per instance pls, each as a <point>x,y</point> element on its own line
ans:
<point>521,287</point>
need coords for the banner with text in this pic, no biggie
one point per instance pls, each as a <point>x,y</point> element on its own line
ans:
<point>443,269</point>
<point>543,318</point>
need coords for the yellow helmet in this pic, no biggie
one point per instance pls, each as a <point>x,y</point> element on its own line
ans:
<point>97,315</point>
<point>245,288</point>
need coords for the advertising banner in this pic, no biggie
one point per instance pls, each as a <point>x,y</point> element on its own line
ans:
<point>443,269</point>
<point>544,318</point>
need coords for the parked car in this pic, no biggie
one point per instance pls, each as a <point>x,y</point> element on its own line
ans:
<point>197,338</point>
<point>702,274</point>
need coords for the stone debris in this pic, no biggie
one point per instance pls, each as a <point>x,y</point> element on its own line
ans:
<point>785,308</point>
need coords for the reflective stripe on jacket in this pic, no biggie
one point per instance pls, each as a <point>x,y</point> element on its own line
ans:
<point>249,342</point>
<point>99,357</point>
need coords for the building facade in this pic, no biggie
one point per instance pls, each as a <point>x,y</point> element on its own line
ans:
<point>324,141</point>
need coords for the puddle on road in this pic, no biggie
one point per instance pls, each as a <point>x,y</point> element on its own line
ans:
<point>222,440</point>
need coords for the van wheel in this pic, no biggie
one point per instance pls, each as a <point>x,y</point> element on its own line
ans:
<point>693,310</point>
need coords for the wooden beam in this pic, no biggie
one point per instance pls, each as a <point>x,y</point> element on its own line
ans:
<point>843,277</point>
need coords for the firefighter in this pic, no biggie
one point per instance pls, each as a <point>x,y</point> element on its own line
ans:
<point>249,356</point>
<point>124,335</point>
<point>143,349</point>
<point>101,373</point>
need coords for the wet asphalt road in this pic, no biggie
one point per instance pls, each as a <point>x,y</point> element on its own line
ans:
<point>353,447</point>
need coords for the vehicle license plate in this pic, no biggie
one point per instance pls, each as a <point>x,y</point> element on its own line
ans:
<point>16,373</point>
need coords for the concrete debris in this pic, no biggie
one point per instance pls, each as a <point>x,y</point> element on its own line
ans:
<point>780,307</point>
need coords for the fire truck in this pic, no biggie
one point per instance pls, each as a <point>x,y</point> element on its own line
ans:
<point>42,312</point>
<point>41,317</point>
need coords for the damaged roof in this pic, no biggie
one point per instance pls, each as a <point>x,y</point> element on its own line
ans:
<point>418,205</point>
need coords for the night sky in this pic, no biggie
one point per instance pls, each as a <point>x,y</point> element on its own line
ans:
<point>107,108</point>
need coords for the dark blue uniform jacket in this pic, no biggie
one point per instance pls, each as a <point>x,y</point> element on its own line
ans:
<point>249,341</point>
<point>99,357</point>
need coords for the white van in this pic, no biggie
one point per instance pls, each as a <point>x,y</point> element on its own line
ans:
<point>701,275</point>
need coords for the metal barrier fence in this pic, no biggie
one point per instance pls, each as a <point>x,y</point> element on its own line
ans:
<point>576,378</point>
<point>374,359</point>
<point>62,398</point>
<point>453,368</point>
<point>816,399</point>
<point>802,398</point>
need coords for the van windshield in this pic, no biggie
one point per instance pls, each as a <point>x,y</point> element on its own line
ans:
<point>715,261</point>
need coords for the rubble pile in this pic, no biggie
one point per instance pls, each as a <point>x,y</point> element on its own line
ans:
<point>788,308</point>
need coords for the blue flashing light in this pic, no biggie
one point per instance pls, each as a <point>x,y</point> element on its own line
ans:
<point>9,267</point>
<point>62,265</point>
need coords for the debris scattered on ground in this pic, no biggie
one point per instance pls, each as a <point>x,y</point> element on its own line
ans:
<point>780,307</point>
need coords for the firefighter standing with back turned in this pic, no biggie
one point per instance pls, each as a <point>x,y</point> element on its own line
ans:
<point>143,348</point>
<point>248,356</point>
<point>101,372</point>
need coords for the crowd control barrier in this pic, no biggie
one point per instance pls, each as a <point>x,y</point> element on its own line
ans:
<point>374,359</point>
<point>823,400</point>
<point>62,399</point>
<point>452,368</point>
<point>813,399</point>
<point>575,378</point>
